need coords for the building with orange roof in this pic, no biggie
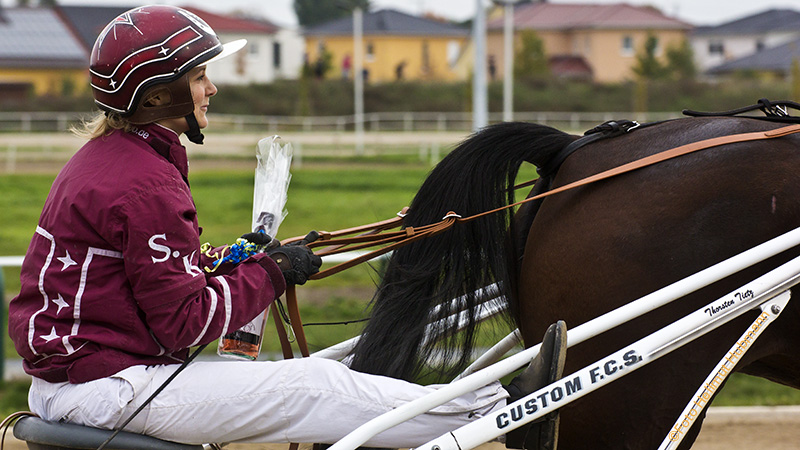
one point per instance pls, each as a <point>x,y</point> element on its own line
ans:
<point>397,46</point>
<point>598,41</point>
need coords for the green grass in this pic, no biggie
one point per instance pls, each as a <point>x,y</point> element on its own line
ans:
<point>746,390</point>
<point>13,397</point>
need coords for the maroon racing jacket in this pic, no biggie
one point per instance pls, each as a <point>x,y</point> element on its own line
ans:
<point>114,275</point>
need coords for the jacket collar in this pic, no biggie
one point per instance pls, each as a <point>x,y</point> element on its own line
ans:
<point>167,144</point>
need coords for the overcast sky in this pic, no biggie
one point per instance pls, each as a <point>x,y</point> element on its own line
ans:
<point>696,12</point>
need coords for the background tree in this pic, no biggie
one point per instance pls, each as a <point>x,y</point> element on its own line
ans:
<point>680,61</point>
<point>647,68</point>
<point>647,64</point>
<point>315,12</point>
<point>530,62</point>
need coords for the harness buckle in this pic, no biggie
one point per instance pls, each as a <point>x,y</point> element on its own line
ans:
<point>634,125</point>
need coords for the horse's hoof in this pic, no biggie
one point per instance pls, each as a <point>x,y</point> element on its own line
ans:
<point>545,368</point>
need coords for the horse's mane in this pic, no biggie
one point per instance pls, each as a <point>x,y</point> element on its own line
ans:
<point>477,176</point>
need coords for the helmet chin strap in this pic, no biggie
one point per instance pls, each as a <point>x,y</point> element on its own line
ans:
<point>193,134</point>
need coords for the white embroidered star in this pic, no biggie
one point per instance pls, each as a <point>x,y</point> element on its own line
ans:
<point>61,303</point>
<point>67,261</point>
<point>51,336</point>
<point>163,50</point>
<point>113,83</point>
<point>123,19</point>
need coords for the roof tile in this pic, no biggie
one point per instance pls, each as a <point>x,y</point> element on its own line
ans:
<point>770,21</point>
<point>556,16</point>
<point>389,22</point>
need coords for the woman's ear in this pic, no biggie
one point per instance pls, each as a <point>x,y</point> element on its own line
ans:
<point>157,97</point>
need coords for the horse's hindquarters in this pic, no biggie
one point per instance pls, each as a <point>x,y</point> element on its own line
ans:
<point>598,247</point>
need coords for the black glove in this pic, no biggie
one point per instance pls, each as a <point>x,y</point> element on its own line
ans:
<point>262,240</point>
<point>296,260</point>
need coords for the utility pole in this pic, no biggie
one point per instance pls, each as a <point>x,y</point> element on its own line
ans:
<point>480,105</point>
<point>508,57</point>
<point>508,60</point>
<point>358,77</point>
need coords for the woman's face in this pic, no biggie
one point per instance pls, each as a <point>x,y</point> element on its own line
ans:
<point>202,90</point>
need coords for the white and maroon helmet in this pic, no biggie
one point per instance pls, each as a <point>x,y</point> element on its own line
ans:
<point>149,46</point>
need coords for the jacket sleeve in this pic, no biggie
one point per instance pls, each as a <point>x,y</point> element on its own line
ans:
<point>182,306</point>
<point>224,304</point>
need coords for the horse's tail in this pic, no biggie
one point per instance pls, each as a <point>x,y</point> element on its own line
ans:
<point>477,176</point>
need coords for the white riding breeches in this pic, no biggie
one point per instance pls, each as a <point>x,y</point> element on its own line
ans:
<point>299,400</point>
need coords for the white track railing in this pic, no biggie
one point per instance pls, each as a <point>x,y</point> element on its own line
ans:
<point>376,121</point>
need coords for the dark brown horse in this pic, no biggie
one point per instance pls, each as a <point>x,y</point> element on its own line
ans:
<point>578,254</point>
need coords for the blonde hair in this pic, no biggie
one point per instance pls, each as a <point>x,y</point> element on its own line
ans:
<point>100,125</point>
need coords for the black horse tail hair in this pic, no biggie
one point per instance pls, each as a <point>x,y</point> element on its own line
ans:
<point>477,176</point>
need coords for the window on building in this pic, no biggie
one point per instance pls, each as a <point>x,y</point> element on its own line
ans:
<point>627,45</point>
<point>370,54</point>
<point>716,48</point>
<point>276,55</point>
<point>252,48</point>
<point>453,50</point>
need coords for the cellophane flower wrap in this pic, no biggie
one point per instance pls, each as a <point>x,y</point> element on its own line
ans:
<point>270,189</point>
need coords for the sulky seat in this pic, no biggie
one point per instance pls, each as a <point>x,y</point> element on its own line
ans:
<point>41,434</point>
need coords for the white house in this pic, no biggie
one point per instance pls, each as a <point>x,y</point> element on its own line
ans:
<point>749,35</point>
<point>271,52</point>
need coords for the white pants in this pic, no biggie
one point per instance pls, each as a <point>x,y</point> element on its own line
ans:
<point>300,400</point>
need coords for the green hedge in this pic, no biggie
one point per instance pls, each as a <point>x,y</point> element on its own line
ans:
<point>335,97</point>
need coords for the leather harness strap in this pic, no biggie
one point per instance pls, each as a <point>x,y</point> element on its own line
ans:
<point>286,346</point>
<point>654,159</point>
<point>294,321</point>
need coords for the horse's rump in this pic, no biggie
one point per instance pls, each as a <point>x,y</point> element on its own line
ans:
<point>596,248</point>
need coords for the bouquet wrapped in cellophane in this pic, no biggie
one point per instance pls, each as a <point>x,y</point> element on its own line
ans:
<point>270,190</point>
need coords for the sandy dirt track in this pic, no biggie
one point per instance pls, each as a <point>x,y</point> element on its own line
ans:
<point>760,428</point>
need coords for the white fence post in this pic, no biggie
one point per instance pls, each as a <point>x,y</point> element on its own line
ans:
<point>408,122</point>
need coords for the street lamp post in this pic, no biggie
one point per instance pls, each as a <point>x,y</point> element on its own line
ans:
<point>508,62</point>
<point>480,105</point>
<point>508,58</point>
<point>358,77</point>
